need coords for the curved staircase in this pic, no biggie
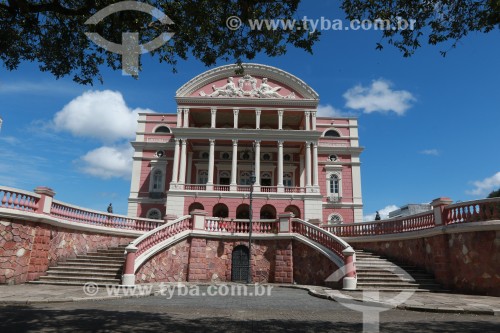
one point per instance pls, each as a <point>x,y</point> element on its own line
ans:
<point>376,272</point>
<point>102,267</point>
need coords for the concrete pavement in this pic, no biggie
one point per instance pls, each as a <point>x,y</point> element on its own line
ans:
<point>420,301</point>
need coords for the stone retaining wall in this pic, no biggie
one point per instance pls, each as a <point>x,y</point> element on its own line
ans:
<point>27,249</point>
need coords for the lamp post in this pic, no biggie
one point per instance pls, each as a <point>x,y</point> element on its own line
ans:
<point>250,215</point>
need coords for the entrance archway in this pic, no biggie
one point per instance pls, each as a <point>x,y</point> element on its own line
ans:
<point>239,264</point>
<point>195,205</point>
<point>268,212</point>
<point>293,209</point>
<point>220,210</point>
<point>243,211</point>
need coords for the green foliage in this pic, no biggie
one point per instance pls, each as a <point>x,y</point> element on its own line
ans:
<point>494,194</point>
<point>437,21</point>
<point>51,32</point>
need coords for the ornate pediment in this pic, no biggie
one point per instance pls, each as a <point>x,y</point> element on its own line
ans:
<point>247,87</point>
<point>259,82</point>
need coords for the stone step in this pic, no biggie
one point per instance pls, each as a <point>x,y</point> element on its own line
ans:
<point>89,265</point>
<point>108,255</point>
<point>78,279</point>
<point>87,256</point>
<point>71,283</point>
<point>85,275</point>
<point>102,261</point>
<point>85,269</point>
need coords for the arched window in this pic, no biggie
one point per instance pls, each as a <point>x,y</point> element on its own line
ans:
<point>157,181</point>
<point>293,209</point>
<point>162,129</point>
<point>154,214</point>
<point>334,185</point>
<point>332,134</point>
<point>335,219</point>
<point>220,210</point>
<point>268,212</point>
<point>243,211</point>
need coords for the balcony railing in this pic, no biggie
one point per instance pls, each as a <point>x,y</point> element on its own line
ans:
<point>242,188</point>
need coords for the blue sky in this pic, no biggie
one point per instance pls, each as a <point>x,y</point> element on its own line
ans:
<point>438,134</point>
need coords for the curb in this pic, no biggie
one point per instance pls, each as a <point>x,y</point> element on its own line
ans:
<point>488,312</point>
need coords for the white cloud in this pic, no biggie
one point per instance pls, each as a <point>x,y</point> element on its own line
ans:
<point>384,213</point>
<point>485,186</point>
<point>10,140</point>
<point>108,162</point>
<point>102,115</point>
<point>433,152</point>
<point>379,97</point>
<point>328,111</point>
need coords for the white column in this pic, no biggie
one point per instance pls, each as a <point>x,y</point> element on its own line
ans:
<point>235,112</point>
<point>179,117</point>
<point>175,167</point>
<point>280,119</point>
<point>257,118</point>
<point>186,117</point>
<point>280,166</point>
<point>315,164</point>
<point>211,162</point>
<point>313,120</point>
<point>182,173</point>
<point>257,166</point>
<point>190,168</point>
<point>213,112</point>
<point>234,165</point>
<point>306,115</point>
<point>301,168</point>
<point>308,164</point>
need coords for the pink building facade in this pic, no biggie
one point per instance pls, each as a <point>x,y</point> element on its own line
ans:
<point>229,127</point>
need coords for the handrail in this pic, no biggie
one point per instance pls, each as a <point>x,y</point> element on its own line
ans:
<point>415,222</point>
<point>89,216</point>
<point>157,235</point>
<point>472,211</point>
<point>13,198</point>
<point>266,226</point>
<point>321,236</point>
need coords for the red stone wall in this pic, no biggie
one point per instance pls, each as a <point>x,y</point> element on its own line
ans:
<point>465,262</point>
<point>310,266</point>
<point>27,249</point>
<point>209,260</point>
<point>170,265</point>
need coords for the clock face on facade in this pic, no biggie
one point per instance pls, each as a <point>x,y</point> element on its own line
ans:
<point>160,153</point>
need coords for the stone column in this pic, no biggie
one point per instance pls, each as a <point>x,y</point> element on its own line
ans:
<point>308,164</point>
<point>210,182</point>
<point>46,198</point>
<point>190,168</point>
<point>182,173</point>
<point>257,166</point>
<point>257,118</point>
<point>438,206</point>
<point>213,112</point>
<point>280,166</point>
<point>315,164</point>
<point>350,280</point>
<point>306,115</point>
<point>234,166</point>
<point>128,277</point>
<point>313,120</point>
<point>179,117</point>
<point>235,118</point>
<point>186,117</point>
<point>280,119</point>
<point>175,167</point>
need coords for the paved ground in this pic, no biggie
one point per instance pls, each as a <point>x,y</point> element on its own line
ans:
<point>285,309</point>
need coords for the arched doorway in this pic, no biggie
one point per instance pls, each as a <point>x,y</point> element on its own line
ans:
<point>293,209</point>
<point>243,211</point>
<point>268,212</point>
<point>220,210</point>
<point>240,264</point>
<point>195,205</point>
